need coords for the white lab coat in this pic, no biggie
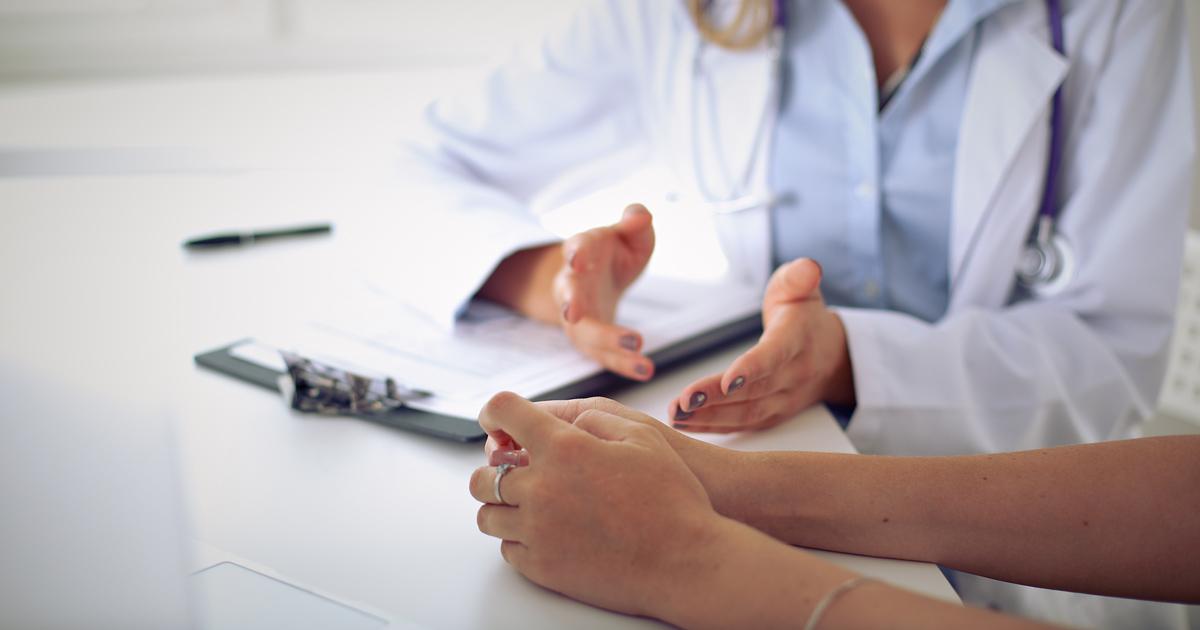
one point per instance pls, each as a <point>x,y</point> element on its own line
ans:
<point>616,86</point>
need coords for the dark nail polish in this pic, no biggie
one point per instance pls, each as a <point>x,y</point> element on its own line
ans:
<point>680,425</point>
<point>682,415</point>
<point>629,342</point>
<point>697,400</point>
<point>641,369</point>
<point>736,384</point>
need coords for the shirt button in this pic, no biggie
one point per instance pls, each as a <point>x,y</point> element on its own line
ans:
<point>871,289</point>
<point>865,191</point>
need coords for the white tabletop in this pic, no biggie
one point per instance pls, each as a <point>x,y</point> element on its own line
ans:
<point>367,514</point>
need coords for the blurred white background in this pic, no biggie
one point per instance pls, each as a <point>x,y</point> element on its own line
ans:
<point>42,39</point>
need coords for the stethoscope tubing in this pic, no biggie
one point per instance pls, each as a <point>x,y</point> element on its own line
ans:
<point>1049,206</point>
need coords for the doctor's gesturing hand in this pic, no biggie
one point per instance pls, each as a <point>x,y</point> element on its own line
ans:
<point>802,358</point>
<point>579,284</point>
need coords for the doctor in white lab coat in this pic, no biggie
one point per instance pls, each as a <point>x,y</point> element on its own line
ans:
<point>634,81</point>
<point>999,371</point>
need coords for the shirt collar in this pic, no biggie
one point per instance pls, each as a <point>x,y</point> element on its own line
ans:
<point>958,19</point>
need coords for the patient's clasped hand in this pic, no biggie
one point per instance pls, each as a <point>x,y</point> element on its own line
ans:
<point>614,508</point>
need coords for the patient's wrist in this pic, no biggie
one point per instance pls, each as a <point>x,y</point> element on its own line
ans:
<point>724,474</point>
<point>694,595</point>
<point>740,577</point>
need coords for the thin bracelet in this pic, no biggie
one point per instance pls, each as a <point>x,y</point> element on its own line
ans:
<point>827,601</point>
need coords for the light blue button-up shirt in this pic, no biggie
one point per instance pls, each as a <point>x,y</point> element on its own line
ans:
<point>868,193</point>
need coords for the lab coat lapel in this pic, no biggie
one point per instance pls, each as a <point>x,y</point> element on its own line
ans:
<point>1001,154</point>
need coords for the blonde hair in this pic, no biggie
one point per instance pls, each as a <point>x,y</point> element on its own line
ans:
<point>750,25</point>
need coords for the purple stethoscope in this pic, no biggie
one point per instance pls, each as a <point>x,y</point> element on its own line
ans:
<point>1046,263</point>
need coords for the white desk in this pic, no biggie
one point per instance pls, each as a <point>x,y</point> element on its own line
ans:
<point>367,514</point>
<point>381,517</point>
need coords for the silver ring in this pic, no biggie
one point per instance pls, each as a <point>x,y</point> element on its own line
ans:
<point>501,470</point>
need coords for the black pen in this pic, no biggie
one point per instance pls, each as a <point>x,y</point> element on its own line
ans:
<point>246,238</point>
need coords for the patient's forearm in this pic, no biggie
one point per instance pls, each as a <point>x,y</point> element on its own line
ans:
<point>744,579</point>
<point>525,281</point>
<point>1118,518</point>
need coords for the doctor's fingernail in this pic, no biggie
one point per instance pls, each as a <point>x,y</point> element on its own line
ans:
<point>697,400</point>
<point>641,369</point>
<point>736,384</point>
<point>682,415</point>
<point>629,342</point>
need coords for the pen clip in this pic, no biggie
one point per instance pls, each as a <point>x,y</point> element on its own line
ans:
<point>315,387</point>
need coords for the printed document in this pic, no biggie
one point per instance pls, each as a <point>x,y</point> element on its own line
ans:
<point>491,348</point>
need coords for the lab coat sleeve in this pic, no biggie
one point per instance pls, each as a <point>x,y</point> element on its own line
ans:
<point>483,153</point>
<point>1085,365</point>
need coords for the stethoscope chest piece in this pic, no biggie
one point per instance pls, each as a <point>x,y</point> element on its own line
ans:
<point>1047,264</point>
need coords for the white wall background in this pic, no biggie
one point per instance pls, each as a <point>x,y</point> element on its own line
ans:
<point>49,39</point>
<point>64,39</point>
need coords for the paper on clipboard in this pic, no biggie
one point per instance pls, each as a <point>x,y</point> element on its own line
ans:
<point>491,348</point>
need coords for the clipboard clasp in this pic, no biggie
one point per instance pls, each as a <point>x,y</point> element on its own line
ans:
<point>314,387</point>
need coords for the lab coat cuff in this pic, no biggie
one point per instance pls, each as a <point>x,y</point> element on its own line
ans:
<point>446,299</point>
<point>868,364</point>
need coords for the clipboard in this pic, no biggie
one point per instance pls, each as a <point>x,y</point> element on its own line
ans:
<point>222,360</point>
